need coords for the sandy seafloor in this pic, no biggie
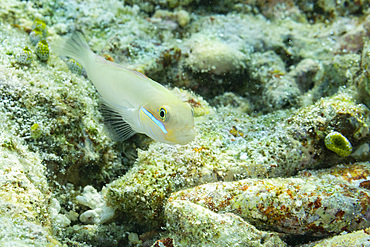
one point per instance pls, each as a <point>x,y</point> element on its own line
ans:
<point>281,97</point>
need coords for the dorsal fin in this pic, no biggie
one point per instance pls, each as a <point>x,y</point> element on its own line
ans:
<point>138,73</point>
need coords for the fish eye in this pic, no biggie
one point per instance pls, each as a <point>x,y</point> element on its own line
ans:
<point>163,113</point>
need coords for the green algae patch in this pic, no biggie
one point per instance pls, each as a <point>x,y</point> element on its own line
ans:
<point>42,50</point>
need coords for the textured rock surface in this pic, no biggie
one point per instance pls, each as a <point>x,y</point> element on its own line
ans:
<point>233,146</point>
<point>282,76</point>
<point>355,239</point>
<point>191,223</point>
<point>24,195</point>
<point>312,203</point>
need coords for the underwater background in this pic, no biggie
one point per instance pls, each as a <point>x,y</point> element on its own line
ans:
<point>281,95</point>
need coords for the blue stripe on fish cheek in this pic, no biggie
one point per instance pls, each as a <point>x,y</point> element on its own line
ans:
<point>154,120</point>
<point>151,131</point>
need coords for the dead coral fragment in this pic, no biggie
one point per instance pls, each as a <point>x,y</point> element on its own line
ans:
<point>165,19</point>
<point>36,36</point>
<point>357,238</point>
<point>312,204</point>
<point>194,225</point>
<point>24,57</point>
<point>338,143</point>
<point>214,56</point>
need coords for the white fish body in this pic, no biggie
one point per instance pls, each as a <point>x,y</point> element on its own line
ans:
<point>133,102</point>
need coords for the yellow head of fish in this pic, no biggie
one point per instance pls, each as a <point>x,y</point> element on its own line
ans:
<point>169,121</point>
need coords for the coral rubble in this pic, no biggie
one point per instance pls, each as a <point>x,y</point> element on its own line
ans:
<point>312,203</point>
<point>280,94</point>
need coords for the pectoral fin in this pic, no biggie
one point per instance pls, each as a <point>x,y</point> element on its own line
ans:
<point>114,118</point>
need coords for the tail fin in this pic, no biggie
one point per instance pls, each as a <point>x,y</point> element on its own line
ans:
<point>74,46</point>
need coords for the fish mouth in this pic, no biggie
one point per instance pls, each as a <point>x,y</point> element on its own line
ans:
<point>182,137</point>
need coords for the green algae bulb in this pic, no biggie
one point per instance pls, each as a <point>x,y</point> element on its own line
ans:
<point>338,143</point>
<point>42,50</point>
